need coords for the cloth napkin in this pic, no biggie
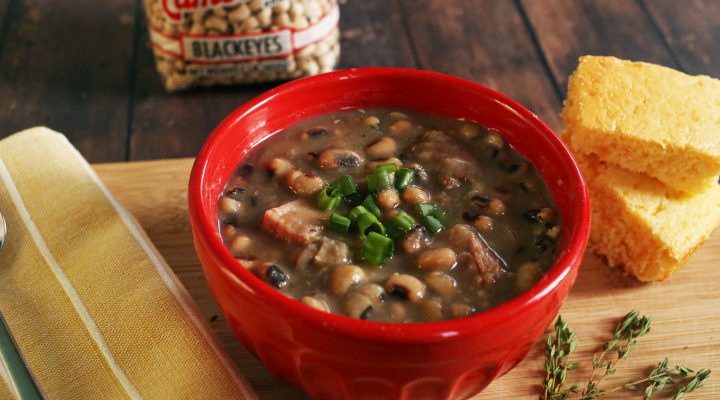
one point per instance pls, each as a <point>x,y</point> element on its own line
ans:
<point>95,310</point>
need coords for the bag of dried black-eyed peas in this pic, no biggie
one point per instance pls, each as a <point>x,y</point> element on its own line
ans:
<point>224,42</point>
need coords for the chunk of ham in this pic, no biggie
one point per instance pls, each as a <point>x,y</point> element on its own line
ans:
<point>295,221</point>
<point>476,254</point>
<point>453,163</point>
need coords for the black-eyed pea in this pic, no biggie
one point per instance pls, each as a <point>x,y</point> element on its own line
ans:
<point>483,223</point>
<point>459,310</point>
<point>382,148</point>
<point>228,232</point>
<point>264,17</point>
<point>470,131</point>
<point>406,287</point>
<point>414,195</point>
<point>546,214</point>
<point>219,11</point>
<point>388,199</point>
<point>398,115</point>
<point>280,166</point>
<point>397,311</point>
<point>527,275</point>
<point>371,121</point>
<point>554,232</point>
<point>400,127</point>
<point>300,22</point>
<point>272,274</point>
<point>489,205</point>
<point>359,306</point>
<point>256,5</point>
<point>251,24</point>
<point>392,160</point>
<point>228,205</point>
<point>343,277</point>
<point>315,302</point>
<point>373,291</point>
<point>339,158</point>
<point>442,258</point>
<point>414,241</point>
<point>282,6</point>
<point>442,284</point>
<point>297,9</point>
<point>313,11</point>
<point>494,140</point>
<point>303,184</point>
<point>240,245</point>
<point>431,310</point>
<point>283,20</point>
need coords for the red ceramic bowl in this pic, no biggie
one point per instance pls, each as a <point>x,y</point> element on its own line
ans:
<point>330,356</point>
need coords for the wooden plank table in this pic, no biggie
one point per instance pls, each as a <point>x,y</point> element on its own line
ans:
<point>85,67</point>
<point>684,309</point>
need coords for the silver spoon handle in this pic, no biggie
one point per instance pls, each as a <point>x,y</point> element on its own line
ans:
<point>20,377</point>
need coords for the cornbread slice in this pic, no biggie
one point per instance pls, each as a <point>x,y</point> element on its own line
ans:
<point>640,224</point>
<point>647,118</point>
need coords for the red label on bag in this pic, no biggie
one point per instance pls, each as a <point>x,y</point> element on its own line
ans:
<point>175,9</point>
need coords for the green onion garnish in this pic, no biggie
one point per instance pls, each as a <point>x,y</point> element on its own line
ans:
<point>377,248</point>
<point>367,223</point>
<point>432,224</point>
<point>356,212</point>
<point>345,185</point>
<point>369,204</point>
<point>403,178</point>
<point>426,210</point>
<point>403,222</point>
<point>378,181</point>
<point>328,198</point>
<point>390,167</point>
<point>338,223</point>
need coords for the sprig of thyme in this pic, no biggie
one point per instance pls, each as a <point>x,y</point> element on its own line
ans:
<point>633,326</point>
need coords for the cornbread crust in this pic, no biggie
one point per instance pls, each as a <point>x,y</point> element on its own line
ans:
<point>647,118</point>
<point>641,225</point>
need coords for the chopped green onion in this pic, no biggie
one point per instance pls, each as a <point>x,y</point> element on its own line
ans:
<point>403,222</point>
<point>328,198</point>
<point>367,223</point>
<point>356,212</point>
<point>338,223</point>
<point>390,167</point>
<point>369,204</point>
<point>378,181</point>
<point>377,248</point>
<point>426,210</point>
<point>432,224</point>
<point>403,178</point>
<point>345,185</point>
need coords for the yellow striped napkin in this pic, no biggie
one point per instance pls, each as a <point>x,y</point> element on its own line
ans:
<point>95,310</point>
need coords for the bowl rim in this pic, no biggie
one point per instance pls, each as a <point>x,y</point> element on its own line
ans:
<point>414,332</point>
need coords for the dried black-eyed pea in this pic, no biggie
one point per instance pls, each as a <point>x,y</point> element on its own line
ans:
<point>442,284</point>
<point>414,195</point>
<point>280,166</point>
<point>359,306</point>
<point>371,121</point>
<point>392,160</point>
<point>432,310</point>
<point>527,275</point>
<point>400,127</point>
<point>343,277</point>
<point>442,258</point>
<point>388,199</point>
<point>315,302</point>
<point>303,184</point>
<point>459,310</point>
<point>228,205</point>
<point>339,158</point>
<point>382,148</point>
<point>483,223</point>
<point>406,287</point>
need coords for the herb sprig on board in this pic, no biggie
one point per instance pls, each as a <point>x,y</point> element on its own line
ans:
<point>561,345</point>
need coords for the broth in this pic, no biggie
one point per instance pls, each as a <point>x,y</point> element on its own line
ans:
<point>498,227</point>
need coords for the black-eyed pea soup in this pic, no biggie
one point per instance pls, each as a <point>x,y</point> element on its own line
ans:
<point>391,216</point>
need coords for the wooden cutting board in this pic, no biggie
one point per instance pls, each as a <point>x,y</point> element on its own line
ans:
<point>685,309</point>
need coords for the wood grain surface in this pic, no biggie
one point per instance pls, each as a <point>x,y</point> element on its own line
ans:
<point>684,309</point>
<point>85,67</point>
